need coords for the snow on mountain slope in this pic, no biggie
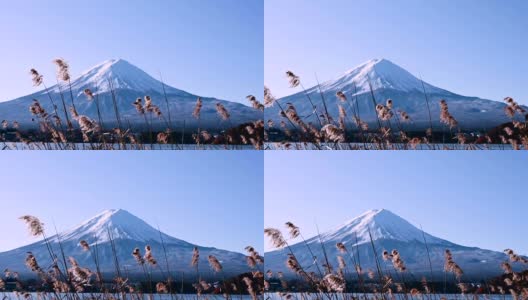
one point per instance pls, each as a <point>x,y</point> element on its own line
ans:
<point>390,81</point>
<point>129,83</point>
<point>383,74</point>
<point>120,223</point>
<point>115,233</point>
<point>382,224</point>
<point>388,231</point>
<point>117,74</point>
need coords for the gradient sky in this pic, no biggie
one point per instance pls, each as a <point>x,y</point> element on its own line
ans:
<point>210,198</point>
<point>471,47</point>
<point>206,47</point>
<point>470,198</point>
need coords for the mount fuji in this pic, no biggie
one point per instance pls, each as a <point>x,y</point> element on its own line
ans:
<point>127,232</point>
<point>129,83</point>
<point>390,81</point>
<point>388,232</point>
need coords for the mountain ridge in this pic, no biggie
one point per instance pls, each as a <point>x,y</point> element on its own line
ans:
<point>389,231</point>
<point>117,232</point>
<point>390,81</point>
<point>128,82</point>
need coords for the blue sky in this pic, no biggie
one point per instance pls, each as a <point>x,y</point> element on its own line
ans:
<point>470,198</point>
<point>471,47</point>
<point>206,47</point>
<point>211,198</point>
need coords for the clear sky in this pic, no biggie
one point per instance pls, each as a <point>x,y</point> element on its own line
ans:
<point>210,198</point>
<point>470,198</point>
<point>471,47</point>
<point>206,47</point>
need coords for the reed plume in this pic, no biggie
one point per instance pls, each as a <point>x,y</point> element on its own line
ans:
<point>195,257</point>
<point>451,266</point>
<point>31,263</point>
<point>294,230</point>
<point>512,107</point>
<point>35,226</point>
<point>293,79</point>
<point>138,104</point>
<point>269,99</point>
<point>333,133</point>
<point>222,111</point>
<point>137,255</point>
<point>384,112</point>
<point>397,261</point>
<point>334,283</point>
<point>341,247</point>
<point>36,77</point>
<point>162,138</point>
<point>88,93</point>
<point>341,96</point>
<point>514,257</point>
<point>63,69</point>
<point>249,285</point>
<point>197,108</point>
<point>275,237</point>
<point>445,116</point>
<point>149,257</point>
<point>254,257</point>
<point>84,245</point>
<point>255,103</point>
<point>162,288</point>
<point>214,263</point>
<point>36,109</point>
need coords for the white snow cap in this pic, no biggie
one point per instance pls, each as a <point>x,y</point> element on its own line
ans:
<point>120,73</point>
<point>382,223</point>
<point>120,223</point>
<point>383,74</point>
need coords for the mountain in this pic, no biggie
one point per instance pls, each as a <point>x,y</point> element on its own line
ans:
<point>389,232</point>
<point>129,83</point>
<point>127,232</point>
<point>390,81</point>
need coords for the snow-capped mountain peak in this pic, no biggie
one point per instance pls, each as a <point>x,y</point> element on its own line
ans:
<point>127,232</point>
<point>367,66</point>
<point>382,74</point>
<point>388,232</point>
<point>382,224</point>
<point>118,222</point>
<point>390,81</point>
<point>116,83</point>
<point>116,74</point>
